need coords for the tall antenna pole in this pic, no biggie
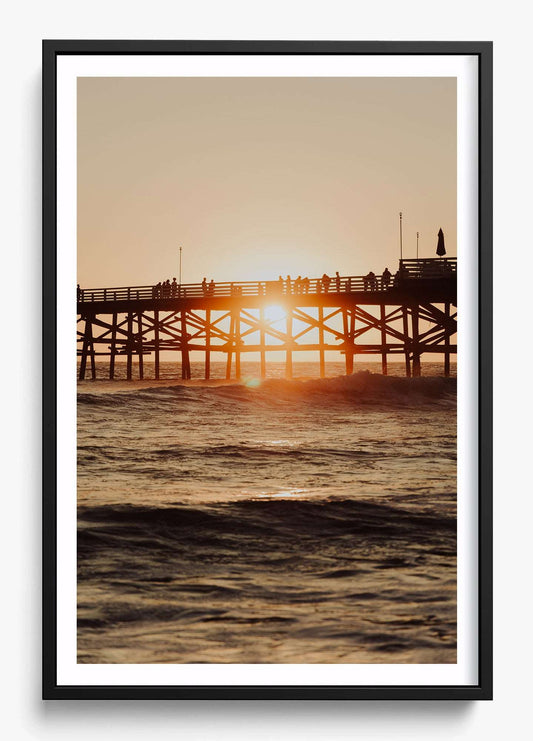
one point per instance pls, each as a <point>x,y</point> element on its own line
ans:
<point>180,264</point>
<point>401,238</point>
<point>417,236</point>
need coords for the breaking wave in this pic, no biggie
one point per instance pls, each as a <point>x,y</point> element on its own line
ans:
<point>362,387</point>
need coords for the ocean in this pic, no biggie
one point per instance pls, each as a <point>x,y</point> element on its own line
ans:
<point>277,521</point>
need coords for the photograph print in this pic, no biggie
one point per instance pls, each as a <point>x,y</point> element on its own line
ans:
<point>267,370</point>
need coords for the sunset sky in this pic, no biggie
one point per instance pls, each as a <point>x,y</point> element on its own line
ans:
<point>256,177</point>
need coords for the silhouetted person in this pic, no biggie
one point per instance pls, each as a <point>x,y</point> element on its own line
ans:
<point>288,284</point>
<point>369,281</point>
<point>337,281</point>
<point>204,286</point>
<point>78,292</point>
<point>305,283</point>
<point>397,278</point>
<point>211,286</point>
<point>174,287</point>
<point>385,278</point>
<point>298,284</point>
<point>326,280</point>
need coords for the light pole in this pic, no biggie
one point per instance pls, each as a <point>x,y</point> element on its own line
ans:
<point>417,236</point>
<point>180,264</point>
<point>401,238</point>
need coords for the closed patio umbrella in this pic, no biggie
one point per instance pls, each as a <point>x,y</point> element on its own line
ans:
<point>441,249</point>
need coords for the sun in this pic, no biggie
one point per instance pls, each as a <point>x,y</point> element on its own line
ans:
<point>275,313</point>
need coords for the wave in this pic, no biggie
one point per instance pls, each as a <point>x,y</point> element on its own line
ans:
<point>253,520</point>
<point>362,388</point>
<point>324,579</point>
<point>279,451</point>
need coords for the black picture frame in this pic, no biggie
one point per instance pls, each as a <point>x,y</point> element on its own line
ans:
<point>482,690</point>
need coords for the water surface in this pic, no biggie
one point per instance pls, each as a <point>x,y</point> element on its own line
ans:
<point>301,521</point>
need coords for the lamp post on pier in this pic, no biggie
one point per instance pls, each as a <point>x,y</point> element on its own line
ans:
<point>401,238</point>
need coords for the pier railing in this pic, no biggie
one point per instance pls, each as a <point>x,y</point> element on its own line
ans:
<point>428,268</point>
<point>409,269</point>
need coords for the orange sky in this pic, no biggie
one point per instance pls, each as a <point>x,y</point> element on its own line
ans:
<point>254,177</point>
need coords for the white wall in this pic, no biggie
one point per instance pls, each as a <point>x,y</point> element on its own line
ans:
<point>23,715</point>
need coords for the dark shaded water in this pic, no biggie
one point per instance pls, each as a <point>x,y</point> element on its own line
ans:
<point>282,522</point>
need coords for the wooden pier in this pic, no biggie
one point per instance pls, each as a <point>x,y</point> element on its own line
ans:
<point>414,315</point>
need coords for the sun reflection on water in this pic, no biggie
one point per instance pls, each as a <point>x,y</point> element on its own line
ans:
<point>288,493</point>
